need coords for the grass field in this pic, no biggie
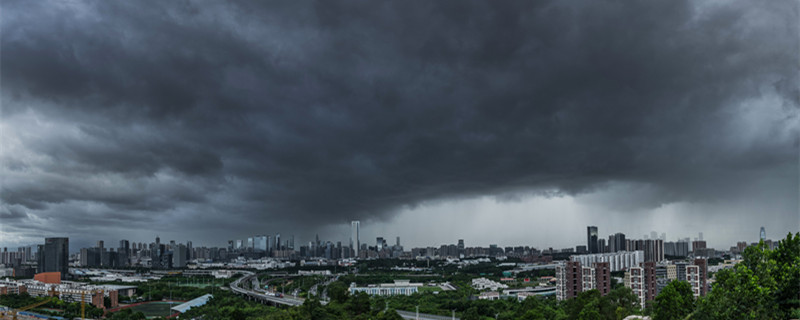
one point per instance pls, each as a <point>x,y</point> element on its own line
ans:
<point>198,285</point>
<point>428,289</point>
<point>155,309</point>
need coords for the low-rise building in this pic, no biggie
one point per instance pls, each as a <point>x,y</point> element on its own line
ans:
<point>399,287</point>
<point>483,284</point>
<point>489,295</point>
<point>65,291</point>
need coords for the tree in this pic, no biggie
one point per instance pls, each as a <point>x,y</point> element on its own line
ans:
<point>389,314</point>
<point>358,304</point>
<point>675,301</point>
<point>763,286</point>
<point>337,291</point>
<point>471,314</point>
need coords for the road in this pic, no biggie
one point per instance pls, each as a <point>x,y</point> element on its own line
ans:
<point>423,316</point>
<point>237,287</point>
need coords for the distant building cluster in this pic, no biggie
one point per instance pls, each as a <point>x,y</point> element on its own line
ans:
<point>646,268</point>
<point>274,251</point>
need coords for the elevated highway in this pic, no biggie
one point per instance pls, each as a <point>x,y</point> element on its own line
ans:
<point>264,297</point>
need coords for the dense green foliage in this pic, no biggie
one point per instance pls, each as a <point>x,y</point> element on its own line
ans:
<point>765,285</point>
<point>618,304</point>
<point>675,301</point>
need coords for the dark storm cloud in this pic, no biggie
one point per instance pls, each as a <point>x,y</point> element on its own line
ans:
<point>326,111</point>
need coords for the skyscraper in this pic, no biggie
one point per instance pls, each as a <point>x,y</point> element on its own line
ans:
<point>55,257</point>
<point>591,239</point>
<point>617,242</point>
<point>179,256</point>
<point>260,243</point>
<point>763,234</point>
<point>355,237</point>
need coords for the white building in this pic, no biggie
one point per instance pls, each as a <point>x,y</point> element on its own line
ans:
<point>491,295</point>
<point>561,283</point>
<point>617,261</point>
<point>637,284</point>
<point>588,275</point>
<point>483,284</point>
<point>399,287</point>
<point>693,277</point>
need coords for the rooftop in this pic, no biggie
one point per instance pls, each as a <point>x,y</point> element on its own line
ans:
<point>196,302</point>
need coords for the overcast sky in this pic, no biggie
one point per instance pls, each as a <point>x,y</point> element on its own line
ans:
<point>496,122</point>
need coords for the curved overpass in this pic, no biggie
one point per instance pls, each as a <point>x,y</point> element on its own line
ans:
<point>236,287</point>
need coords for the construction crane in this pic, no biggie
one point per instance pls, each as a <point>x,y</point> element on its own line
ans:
<point>25,308</point>
<point>14,312</point>
<point>28,307</point>
<point>83,301</point>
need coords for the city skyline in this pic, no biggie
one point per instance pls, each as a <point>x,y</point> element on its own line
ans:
<point>616,241</point>
<point>515,123</point>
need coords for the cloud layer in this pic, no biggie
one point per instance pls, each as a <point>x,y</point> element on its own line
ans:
<point>237,118</point>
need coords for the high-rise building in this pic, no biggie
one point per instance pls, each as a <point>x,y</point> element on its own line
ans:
<point>617,261</point>
<point>699,244</point>
<point>179,256</point>
<point>650,280</point>
<point>601,246</point>
<point>123,253</point>
<point>702,265</point>
<point>602,279</point>
<point>591,239</point>
<point>54,256</point>
<point>653,250</point>
<point>637,284</point>
<point>763,234</point>
<point>682,248</point>
<point>617,242</point>
<point>102,251</point>
<point>693,277</point>
<point>278,244</point>
<point>379,243</point>
<point>569,280</point>
<point>355,237</point>
<point>573,278</point>
<point>260,243</point>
